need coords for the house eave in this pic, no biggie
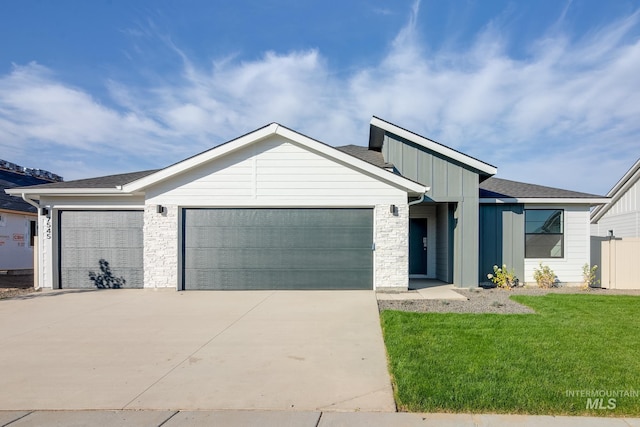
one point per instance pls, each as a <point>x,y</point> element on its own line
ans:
<point>626,182</point>
<point>68,192</point>
<point>434,146</point>
<point>546,200</point>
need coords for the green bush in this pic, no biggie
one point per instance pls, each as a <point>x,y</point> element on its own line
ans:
<point>503,278</point>
<point>545,277</point>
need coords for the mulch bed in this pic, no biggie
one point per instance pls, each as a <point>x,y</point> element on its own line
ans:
<point>490,300</point>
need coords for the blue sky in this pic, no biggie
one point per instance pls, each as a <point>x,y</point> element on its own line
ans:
<point>547,91</point>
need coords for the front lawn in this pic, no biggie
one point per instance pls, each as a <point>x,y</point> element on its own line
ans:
<point>545,363</point>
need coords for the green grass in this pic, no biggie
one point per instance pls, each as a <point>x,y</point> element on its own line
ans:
<point>524,363</point>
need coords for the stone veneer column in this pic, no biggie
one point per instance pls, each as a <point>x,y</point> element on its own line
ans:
<point>391,258</point>
<point>160,247</point>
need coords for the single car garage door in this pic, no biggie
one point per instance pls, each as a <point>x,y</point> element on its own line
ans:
<point>86,237</point>
<point>277,249</point>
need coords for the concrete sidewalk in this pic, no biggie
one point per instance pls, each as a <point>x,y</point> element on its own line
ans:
<point>291,418</point>
<point>424,289</point>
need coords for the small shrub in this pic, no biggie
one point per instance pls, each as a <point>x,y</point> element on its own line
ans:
<point>589,276</point>
<point>503,278</point>
<point>545,277</point>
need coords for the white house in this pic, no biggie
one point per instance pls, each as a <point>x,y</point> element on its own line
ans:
<point>275,209</point>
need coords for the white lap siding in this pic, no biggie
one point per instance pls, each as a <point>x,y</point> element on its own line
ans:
<point>275,172</point>
<point>576,246</point>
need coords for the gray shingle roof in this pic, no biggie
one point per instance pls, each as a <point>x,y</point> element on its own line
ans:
<point>364,153</point>
<point>9,179</point>
<point>503,188</point>
<point>109,181</point>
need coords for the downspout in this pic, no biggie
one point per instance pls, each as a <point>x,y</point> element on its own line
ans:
<point>31,202</point>
<point>420,200</point>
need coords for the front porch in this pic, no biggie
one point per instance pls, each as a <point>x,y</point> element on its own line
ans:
<point>420,289</point>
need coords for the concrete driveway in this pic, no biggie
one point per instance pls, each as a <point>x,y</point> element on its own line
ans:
<point>145,349</point>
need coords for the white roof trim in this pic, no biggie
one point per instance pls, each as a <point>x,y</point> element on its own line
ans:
<point>434,146</point>
<point>626,182</point>
<point>255,136</point>
<point>67,191</point>
<point>547,200</point>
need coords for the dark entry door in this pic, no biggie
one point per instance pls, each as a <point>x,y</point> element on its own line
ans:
<point>418,247</point>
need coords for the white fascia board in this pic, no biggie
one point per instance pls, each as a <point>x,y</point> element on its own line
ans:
<point>626,182</point>
<point>565,201</point>
<point>434,146</point>
<point>331,152</point>
<point>67,191</point>
<point>201,158</point>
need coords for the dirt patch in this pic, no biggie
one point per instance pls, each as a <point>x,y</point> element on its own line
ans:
<point>16,281</point>
<point>15,292</point>
<point>489,300</point>
<point>15,285</point>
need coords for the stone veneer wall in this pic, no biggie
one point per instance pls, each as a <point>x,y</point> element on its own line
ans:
<point>160,247</point>
<point>391,259</point>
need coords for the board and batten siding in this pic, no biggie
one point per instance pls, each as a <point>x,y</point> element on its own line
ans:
<point>274,172</point>
<point>501,238</point>
<point>444,248</point>
<point>48,251</point>
<point>576,246</point>
<point>623,216</point>
<point>449,181</point>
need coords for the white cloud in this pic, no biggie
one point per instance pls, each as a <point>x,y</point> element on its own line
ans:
<point>554,117</point>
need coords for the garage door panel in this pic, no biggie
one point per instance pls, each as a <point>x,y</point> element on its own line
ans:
<point>290,258</point>
<point>97,238</point>
<point>86,237</point>
<point>279,217</point>
<point>293,237</point>
<point>277,248</point>
<point>224,279</point>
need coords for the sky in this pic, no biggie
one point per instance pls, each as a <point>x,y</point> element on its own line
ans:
<point>548,91</point>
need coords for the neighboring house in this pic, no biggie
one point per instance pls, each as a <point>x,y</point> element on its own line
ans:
<point>615,234</point>
<point>17,217</point>
<point>622,215</point>
<point>275,209</point>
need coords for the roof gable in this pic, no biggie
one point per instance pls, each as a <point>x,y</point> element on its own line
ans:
<point>378,124</point>
<point>628,180</point>
<point>134,182</point>
<point>260,135</point>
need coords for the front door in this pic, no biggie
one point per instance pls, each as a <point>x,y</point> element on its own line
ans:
<point>418,246</point>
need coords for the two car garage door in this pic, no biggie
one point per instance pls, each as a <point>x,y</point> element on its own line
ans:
<point>229,248</point>
<point>278,248</point>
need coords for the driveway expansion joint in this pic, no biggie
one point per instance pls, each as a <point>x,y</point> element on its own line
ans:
<point>188,357</point>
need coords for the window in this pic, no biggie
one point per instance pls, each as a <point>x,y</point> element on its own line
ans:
<point>544,233</point>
